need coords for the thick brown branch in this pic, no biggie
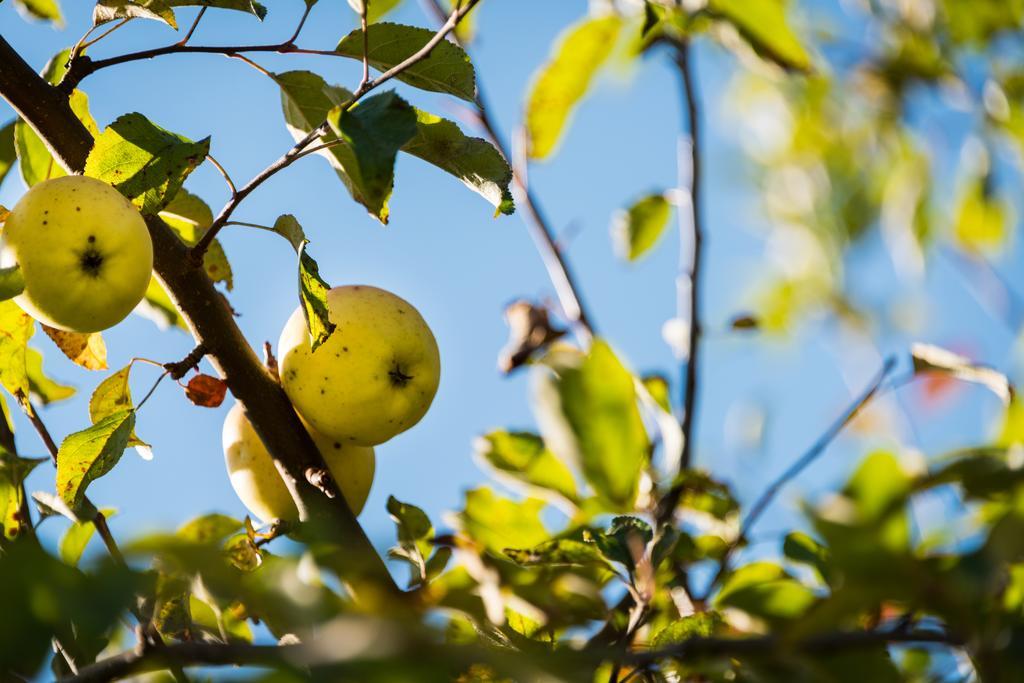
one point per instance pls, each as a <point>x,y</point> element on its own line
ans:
<point>212,324</point>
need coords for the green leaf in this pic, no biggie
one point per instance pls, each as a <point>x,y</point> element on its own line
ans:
<point>190,217</point>
<point>210,528</point>
<point>13,471</point>
<point>12,282</point>
<point>288,227</point>
<point>8,154</point>
<point>637,229</point>
<point>77,537</point>
<point>561,551</point>
<point>446,70</point>
<point>411,522</point>
<point>625,540</point>
<point>982,219</point>
<point>698,625</point>
<point>374,130</point>
<point>306,100</point>
<point>47,10</point>
<point>228,625</point>
<point>564,80</point>
<point>591,417</point>
<point>799,547</point>
<point>41,387</point>
<point>474,161</point>
<point>144,162</point>
<point>523,456</point>
<point>763,24</point>
<point>87,455</point>
<point>765,590</point>
<point>248,6</point>
<point>114,395</point>
<point>111,10</point>
<point>157,306</point>
<point>313,297</point>
<point>375,10</point>
<point>437,563</point>
<point>498,523</point>
<point>16,328</point>
<point>657,386</point>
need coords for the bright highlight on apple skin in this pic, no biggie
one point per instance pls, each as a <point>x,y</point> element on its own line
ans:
<point>258,484</point>
<point>373,378</point>
<point>84,252</point>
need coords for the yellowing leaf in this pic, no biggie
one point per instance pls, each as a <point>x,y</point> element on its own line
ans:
<point>42,388</point>
<point>77,537</point>
<point>763,24</point>
<point>13,471</point>
<point>498,523</point>
<point>47,10</point>
<point>565,79</point>
<point>111,10</point>
<point>114,395</point>
<point>982,220</point>
<point>190,217</point>
<point>16,328</point>
<point>87,350</point>
<point>313,298</point>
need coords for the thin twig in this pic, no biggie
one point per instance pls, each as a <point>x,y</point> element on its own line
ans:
<point>364,9</point>
<point>192,28</point>
<point>689,221</point>
<point>541,232</point>
<point>799,465</point>
<point>295,153</point>
<point>262,70</point>
<point>224,174</point>
<point>302,22</point>
<point>152,389</point>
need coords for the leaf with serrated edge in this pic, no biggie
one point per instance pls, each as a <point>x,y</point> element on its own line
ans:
<point>87,455</point>
<point>16,328</point>
<point>565,79</point>
<point>474,161</point>
<point>446,70</point>
<point>143,161</point>
<point>374,131</point>
<point>111,10</point>
<point>313,297</point>
<point>114,395</point>
<point>87,350</point>
<point>524,457</point>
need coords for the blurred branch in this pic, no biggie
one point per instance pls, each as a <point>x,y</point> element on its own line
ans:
<point>805,460</point>
<point>540,229</point>
<point>295,153</point>
<point>212,323</point>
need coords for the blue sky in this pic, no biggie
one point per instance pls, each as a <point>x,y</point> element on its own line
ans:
<point>445,253</point>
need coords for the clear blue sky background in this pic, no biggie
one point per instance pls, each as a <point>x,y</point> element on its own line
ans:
<point>445,253</point>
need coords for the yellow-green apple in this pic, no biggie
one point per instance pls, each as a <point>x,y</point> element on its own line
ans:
<point>259,485</point>
<point>84,252</point>
<point>376,374</point>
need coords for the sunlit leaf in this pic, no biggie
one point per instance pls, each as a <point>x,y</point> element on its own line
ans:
<point>523,456</point>
<point>446,70</point>
<point>556,552</point>
<point>699,625</point>
<point>765,590</point>
<point>211,528</point>
<point>16,328</point>
<point>77,537</point>
<point>764,25</point>
<point>498,523</point>
<point>565,79</point>
<point>637,229</point>
<point>190,217</point>
<point>48,10</point>
<point>111,10</point>
<point>13,471</point>
<point>87,350</point>
<point>114,395</point>
<point>375,9</point>
<point>313,298</point>
<point>89,454</point>
<point>144,162</point>
<point>982,219</point>
<point>157,306</point>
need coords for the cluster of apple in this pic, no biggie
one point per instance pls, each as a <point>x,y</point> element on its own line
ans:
<point>86,259</point>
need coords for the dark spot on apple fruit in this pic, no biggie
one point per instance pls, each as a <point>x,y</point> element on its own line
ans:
<point>91,262</point>
<point>92,238</point>
<point>398,376</point>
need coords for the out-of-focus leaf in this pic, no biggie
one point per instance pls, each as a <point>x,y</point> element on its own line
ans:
<point>799,547</point>
<point>42,388</point>
<point>47,10</point>
<point>157,306</point>
<point>190,217</point>
<point>589,414</point>
<point>50,505</point>
<point>556,552</point>
<point>211,528</point>
<point>77,537</point>
<point>144,162</point>
<point>982,219</point>
<point>498,523</point>
<point>522,456</point>
<point>248,6</point>
<point>565,79</point>
<point>13,471</point>
<point>411,523</point>
<point>763,24</point>
<point>8,155</point>
<point>474,161</point>
<point>930,358</point>
<point>374,130</point>
<point>87,350</point>
<point>16,328</point>
<point>375,9</point>
<point>764,590</point>
<point>657,386</point>
<point>702,493</point>
<point>530,333</point>
<point>625,541</point>
<point>446,70</point>
<point>89,454</point>
<point>637,229</point>
<point>229,625</point>
<point>698,625</point>
<point>12,282</point>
